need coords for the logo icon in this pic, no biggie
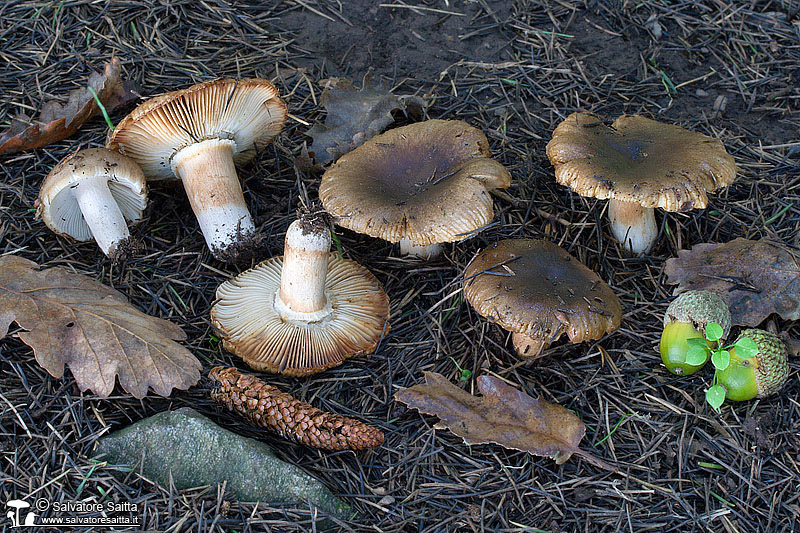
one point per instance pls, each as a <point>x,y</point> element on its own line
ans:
<point>13,513</point>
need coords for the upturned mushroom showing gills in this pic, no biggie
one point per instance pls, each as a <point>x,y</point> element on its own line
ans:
<point>199,135</point>
<point>304,312</point>
<point>538,291</point>
<point>686,318</point>
<point>759,376</point>
<point>420,185</point>
<point>90,194</point>
<point>638,164</point>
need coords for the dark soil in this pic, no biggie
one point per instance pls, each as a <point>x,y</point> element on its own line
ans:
<point>514,69</point>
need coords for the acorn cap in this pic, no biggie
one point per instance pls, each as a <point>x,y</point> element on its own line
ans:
<point>427,182</point>
<point>58,206</point>
<point>247,112</point>
<point>255,331</point>
<point>535,288</point>
<point>699,308</point>
<point>771,364</point>
<point>639,160</point>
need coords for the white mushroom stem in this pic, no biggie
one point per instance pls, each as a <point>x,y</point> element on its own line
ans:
<point>633,225</point>
<point>101,212</point>
<point>209,177</point>
<point>425,252</point>
<point>305,269</point>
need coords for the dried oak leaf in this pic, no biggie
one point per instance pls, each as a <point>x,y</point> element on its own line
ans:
<point>755,278</point>
<point>503,416</point>
<point>57,122</point>
<point>354,117</point>
<point>71,319</point>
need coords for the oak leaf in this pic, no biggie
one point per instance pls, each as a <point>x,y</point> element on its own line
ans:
<point>354,117</point>
<point>503,415</point>
<point>57,122</point>
<point>755,278</point>
<point>71,319</point>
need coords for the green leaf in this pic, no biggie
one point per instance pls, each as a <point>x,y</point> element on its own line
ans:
<point>713,331</point>
<point>746,348</point>
<point>696,355</point>
<point>721,359</point>
<point>715,396</point>
<point>697,341</point>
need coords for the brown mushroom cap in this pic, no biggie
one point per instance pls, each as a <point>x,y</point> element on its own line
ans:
<point>256,332</point>
<point>535,288</point>
<point>248,112</point>
<point>639,160</point>
<point>426,182</point>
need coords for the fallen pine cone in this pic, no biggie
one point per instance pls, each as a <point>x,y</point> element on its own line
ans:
<point>266,406</point>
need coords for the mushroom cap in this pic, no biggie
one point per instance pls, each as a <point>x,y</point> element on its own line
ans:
<point>58,206</point>
<point>426,182</point>
<point>256,332</point>
<point>639,160</point>
<point>535,288</point>
<point>248,112</point>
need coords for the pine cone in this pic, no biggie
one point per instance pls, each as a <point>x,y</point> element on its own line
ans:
<point>266,406</point>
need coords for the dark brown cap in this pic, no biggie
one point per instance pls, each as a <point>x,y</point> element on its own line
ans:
<point>427,182</point>
<point>536,289</point>
<point>639,160</point>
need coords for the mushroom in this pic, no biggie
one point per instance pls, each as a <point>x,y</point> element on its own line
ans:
<point>91,193</point>
<point>638,164</point>
<point>305,311</point>
<point>199,135</point>
<point>538,291</point>
<point>419,185</point>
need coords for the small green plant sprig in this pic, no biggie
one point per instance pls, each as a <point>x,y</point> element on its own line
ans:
<point>699,351</point>
<point>466,374</point>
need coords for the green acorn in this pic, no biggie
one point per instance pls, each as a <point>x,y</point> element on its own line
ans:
<point>685,319</point>
<point>761,375</point>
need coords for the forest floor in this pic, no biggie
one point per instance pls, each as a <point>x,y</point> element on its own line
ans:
<point>514,69</point>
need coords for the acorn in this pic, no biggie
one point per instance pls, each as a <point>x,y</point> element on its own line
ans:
<point>685,319</point>
<point>759,376</point>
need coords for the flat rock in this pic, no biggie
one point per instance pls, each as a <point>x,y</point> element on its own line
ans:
<point>198,452</point>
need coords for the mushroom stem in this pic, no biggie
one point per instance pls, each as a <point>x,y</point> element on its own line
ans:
<point>216,196</point>
<point>408,248</point>
<point>633,225</point>
<point>101,212</point>
<point>528,347</point>
<point>305,269</point>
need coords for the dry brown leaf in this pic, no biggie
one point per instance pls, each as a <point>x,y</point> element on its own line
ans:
<point>71,319</point>
<point>503,416</point>
<point>57,122</point>
<point>756,278</point>
<point>354,117</point>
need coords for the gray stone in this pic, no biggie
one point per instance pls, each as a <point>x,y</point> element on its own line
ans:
<point>198,452</point>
